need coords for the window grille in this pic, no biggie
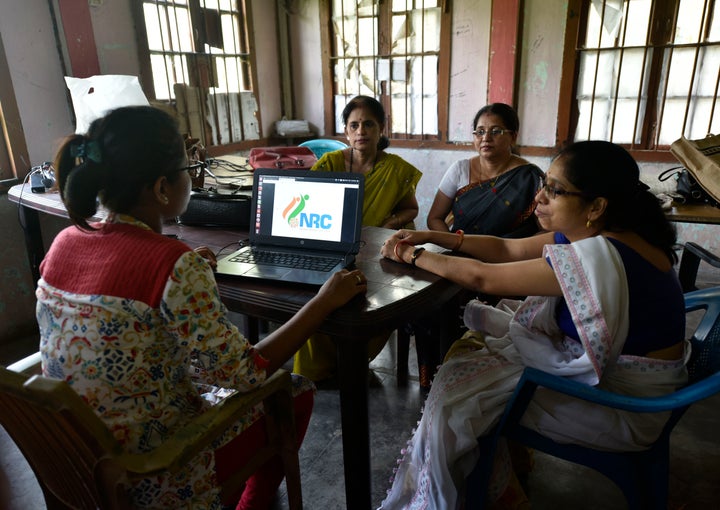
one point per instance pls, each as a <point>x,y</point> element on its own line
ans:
<point>648,71</point>
<point>391,51</point>
<point>200,60</point>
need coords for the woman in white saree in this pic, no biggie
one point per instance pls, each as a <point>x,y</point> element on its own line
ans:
<point>606,309</point>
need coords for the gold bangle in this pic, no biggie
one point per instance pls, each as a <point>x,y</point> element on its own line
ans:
<point>460,241</point>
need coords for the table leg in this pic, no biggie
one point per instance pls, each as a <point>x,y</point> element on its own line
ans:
<point>353,382</point>
<point>30,219</point>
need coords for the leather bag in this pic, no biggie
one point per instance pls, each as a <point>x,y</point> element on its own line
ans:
<point>687,189</point>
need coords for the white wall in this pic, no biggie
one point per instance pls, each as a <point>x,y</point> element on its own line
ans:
<point>539,77</point>
<point>267,61</point>
<point>306,63</point>
<point>469,65</point>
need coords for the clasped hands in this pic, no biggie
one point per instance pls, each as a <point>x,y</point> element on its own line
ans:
<point>400,246</point>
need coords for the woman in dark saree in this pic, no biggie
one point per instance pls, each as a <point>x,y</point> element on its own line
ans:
<point>492,193</point>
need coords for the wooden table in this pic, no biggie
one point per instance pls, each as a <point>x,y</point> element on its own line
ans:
<point>694,213</point>
<point>397,294</point>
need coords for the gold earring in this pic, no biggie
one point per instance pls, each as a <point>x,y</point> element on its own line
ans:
<point>588,224</point>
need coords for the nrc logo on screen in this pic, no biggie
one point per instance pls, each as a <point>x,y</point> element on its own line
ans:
<point>296,218</point>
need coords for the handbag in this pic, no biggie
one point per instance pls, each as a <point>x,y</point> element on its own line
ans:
<point>687,189</point>
<point>701,159</point>
<point>294,157</point>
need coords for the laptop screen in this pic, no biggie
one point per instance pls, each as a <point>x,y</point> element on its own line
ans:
<point>298,208</point>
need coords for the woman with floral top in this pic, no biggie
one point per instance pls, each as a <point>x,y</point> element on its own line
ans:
<point>132,319</point>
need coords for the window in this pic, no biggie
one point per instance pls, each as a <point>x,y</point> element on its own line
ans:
<point>199,60</point>
<point>647,71</point>
<point>397,52</point>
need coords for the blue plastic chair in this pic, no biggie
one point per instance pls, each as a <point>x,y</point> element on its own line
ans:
<point>641,475</point>
<point>320,146</point>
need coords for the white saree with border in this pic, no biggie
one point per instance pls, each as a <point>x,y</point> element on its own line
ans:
<point>470,390</point>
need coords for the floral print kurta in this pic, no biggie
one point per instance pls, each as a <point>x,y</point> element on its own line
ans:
<point>132,320</point>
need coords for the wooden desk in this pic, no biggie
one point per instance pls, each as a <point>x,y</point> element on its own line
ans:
<point>397,294</point>
<point>694,213</point>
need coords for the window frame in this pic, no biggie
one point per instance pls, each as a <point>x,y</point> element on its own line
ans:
<point>568,113</point>
<point>439,140</point>
<point>245,35</point>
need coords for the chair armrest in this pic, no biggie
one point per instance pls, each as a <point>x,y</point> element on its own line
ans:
<point>679,398</point>
<point>29,365</point>
<point>690,259</point>
<point>187,442</point>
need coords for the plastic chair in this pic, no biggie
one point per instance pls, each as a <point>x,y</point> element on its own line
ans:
<point>690,259</point>
<point>79,464</point>
<point>641,475</point>
<point>320,146</point>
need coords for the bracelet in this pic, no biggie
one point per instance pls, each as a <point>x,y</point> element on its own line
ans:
<point>395,250</point>
<point>460,241</point>
<point>416,254</point>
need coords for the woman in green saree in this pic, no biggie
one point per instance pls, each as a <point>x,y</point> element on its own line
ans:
<point>389,202</point>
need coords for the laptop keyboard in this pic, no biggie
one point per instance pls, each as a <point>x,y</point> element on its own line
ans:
<point>286,260</point>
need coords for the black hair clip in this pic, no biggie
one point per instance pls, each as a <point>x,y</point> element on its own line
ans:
<point>86,150</point>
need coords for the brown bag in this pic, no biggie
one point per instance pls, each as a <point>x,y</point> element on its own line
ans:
<point>702,160</point>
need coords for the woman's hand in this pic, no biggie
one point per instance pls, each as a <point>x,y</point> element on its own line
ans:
<point>342,287</point>
<point>208,255</point>
<point>400,242</point>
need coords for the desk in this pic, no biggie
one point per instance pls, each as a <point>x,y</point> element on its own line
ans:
<point>397,294</point>
<point>694,213</point>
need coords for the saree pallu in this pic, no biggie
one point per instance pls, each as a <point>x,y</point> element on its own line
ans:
<point>472,387</point>
<point>502,206</point>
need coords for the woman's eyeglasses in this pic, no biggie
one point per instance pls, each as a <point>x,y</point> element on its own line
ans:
<point>554,192</point>
<point>492,132</point>
<point>195,168</point>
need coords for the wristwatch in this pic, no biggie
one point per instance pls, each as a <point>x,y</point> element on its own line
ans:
<point>416,254</point>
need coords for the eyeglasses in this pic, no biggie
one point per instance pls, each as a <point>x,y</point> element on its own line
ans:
<point>195,169</point>
<point>554,192</point>
<point>492,132</point>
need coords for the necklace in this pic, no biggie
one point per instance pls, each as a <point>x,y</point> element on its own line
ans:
<point>352,151</point>
<point>490,181</point>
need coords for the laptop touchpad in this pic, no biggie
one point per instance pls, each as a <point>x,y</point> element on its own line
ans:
<point>268,271</point>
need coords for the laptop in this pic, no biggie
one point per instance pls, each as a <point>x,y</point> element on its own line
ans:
<point>304,226</point>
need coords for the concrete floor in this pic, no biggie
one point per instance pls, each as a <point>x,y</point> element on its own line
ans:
<point>554,484</point>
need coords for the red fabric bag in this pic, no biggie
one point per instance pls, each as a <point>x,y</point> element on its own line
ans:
<point>289,158</point>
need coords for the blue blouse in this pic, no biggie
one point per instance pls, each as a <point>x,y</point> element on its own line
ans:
<point>657,305</point>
